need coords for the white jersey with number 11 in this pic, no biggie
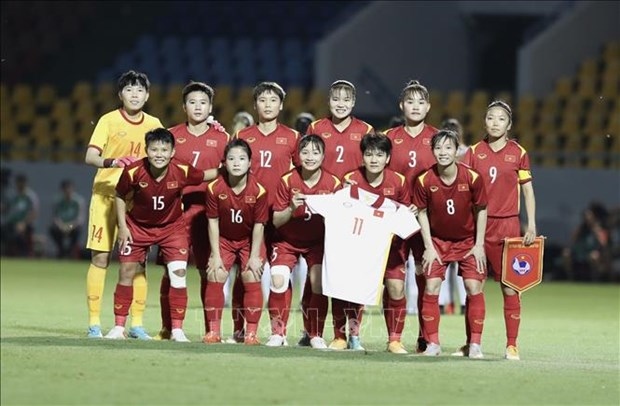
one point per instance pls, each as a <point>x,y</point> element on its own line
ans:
<point>359,227</point>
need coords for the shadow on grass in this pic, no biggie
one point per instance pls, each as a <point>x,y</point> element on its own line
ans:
<point>237,349</point>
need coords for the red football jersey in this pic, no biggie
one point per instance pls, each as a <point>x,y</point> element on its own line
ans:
<point>411,155</point>
<point>503,173</point>
<point>151,202</point>
<point>307,229</point>
<point>237,213</point>
<point>204,151</point>
<point>450,208</point>
<point>342,148</point>
<point>272,155</point>
<point>394,185</point>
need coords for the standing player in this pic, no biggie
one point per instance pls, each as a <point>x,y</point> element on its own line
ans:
<point>116,141</point>
<point>274,148</point>
<point>451,201</point>
<point>299,234</point>
<point>237,210</point>
<point>505,168</point>
<point>149,212</point>
<point>412,155</point>
<point>200,142</point>
<point>375,177</point>
<point>342,133</point>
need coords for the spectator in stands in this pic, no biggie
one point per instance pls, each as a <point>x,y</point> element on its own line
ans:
<point>588,257</point>
<point>22,211</point>
<point>302,121</point>
<point>68,219</point>
<point>241,120</point>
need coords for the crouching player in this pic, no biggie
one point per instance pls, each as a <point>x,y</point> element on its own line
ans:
<point>299,233</point>
<point>451,199</point>
<point>148,206</point>
<point>237,211</point>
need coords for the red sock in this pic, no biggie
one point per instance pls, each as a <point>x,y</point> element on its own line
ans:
<point>277,308</point>
<point>237,304</point>
<point>395,314</point>
<point>430,317</point>
<point>339,318</point>
<point>475,317</point>
<point>178,306</point>
<point>288,299</point>
<point>305,304</point>
<point>420,281</point>
<point>512,318</point>
<point>203,293</point>
<point>252,305</point>
<point>164,302</point>
<point>123,296</point>
<point>214,303</point>
<point>316,314</point>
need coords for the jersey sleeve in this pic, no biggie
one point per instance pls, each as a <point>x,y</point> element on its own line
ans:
<point>261,209</point>
<point>123,186</point>
<point>525,173</point>
<point>467,157</point>
<point>405,222</point>
<point>419,196</point>
<point>99,138</point>
<point>478,190</point>
<point>194,176</point>
<point>212,206</point>
<point>283,196</point>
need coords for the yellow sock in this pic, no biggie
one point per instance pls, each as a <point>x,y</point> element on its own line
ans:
<point>139,299</point>
<point>95,280</point>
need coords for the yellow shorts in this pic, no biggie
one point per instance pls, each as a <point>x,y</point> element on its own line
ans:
<point>102,227</point>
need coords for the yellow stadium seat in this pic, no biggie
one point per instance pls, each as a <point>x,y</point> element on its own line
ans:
<point>174,95</point>
<point>610,80</point>
<point>24,113</point>
<point>564,86</point>
<point>106,91</point>
<point>82,91</point>
<point>595,120</point>
<point>505,96</point>
<point>547,119</point>
<point>22,94</point>
<point>527,139</point>
<point>573,142</point>
<point>244,99</point>
<point>436,99</point>
<point>155,95</point>
<point>223,95</point>
<point>317,103</point>
<point>21,149</point>
<point>41,128</point>
<point>45,96</point>
<point>294,100</point>
<point>455,105</point>
<point>61,109</point>
<point>85,110</point>
<point>8,129</point>
<point>611,51</point>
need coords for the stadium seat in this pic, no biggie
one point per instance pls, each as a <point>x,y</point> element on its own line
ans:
<point>564,86</point>
<point>82,91</point>
<point>45,95</point>
<point>244,99</point>
<point>455,105</point>
<point>294,100</point>
<point>611,51</point>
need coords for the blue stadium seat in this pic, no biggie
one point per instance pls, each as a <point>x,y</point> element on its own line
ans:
<point>171,48</point>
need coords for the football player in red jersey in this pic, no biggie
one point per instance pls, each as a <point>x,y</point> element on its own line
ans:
<point>505,168</point>
<point>451,201</point>
<point>342,133</point>
<point>411,156</point>
<point>200,142</point>
<point>149,212</point>
<point>237,209</point>
<point>274,150</point>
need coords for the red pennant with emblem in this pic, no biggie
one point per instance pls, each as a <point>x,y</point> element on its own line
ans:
<point>522,266</point>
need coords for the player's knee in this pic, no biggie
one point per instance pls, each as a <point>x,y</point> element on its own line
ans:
<point>176,272</point>
<point>395,288</point>
<point>280,278</point>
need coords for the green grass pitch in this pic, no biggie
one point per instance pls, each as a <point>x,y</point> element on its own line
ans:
<point>569,344</point>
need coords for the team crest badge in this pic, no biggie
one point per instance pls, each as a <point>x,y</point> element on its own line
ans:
<point>522,266</point>
<point>121,133</point>
<point>482,156</point>
<point>183,251</point>
<point>223,196</point>
<point>434,188</point>
<point>251,140</point>
<point>398,141</point>
<point>326,135</point>
<point>143,184</point>
<point>295,190</point>
<point>181,140</point>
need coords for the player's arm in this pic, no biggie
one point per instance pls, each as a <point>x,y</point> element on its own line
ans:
<point>530,210</point>
<point>292,210</point>
<point>430,254</point>
<point>210,174</point>
<point>255,263</point>
<point>215,262</point>
<point>480,212</point>
<point>124,235</point>
<point>94,158</point>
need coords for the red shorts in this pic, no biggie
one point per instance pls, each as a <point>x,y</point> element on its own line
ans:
<point>499,228</point>
<point>171,238</point>
<point>395,266</point>
<point>455,251</point>
<point>284,253</point>
<point>415,243</point>
<point>238,252</point>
